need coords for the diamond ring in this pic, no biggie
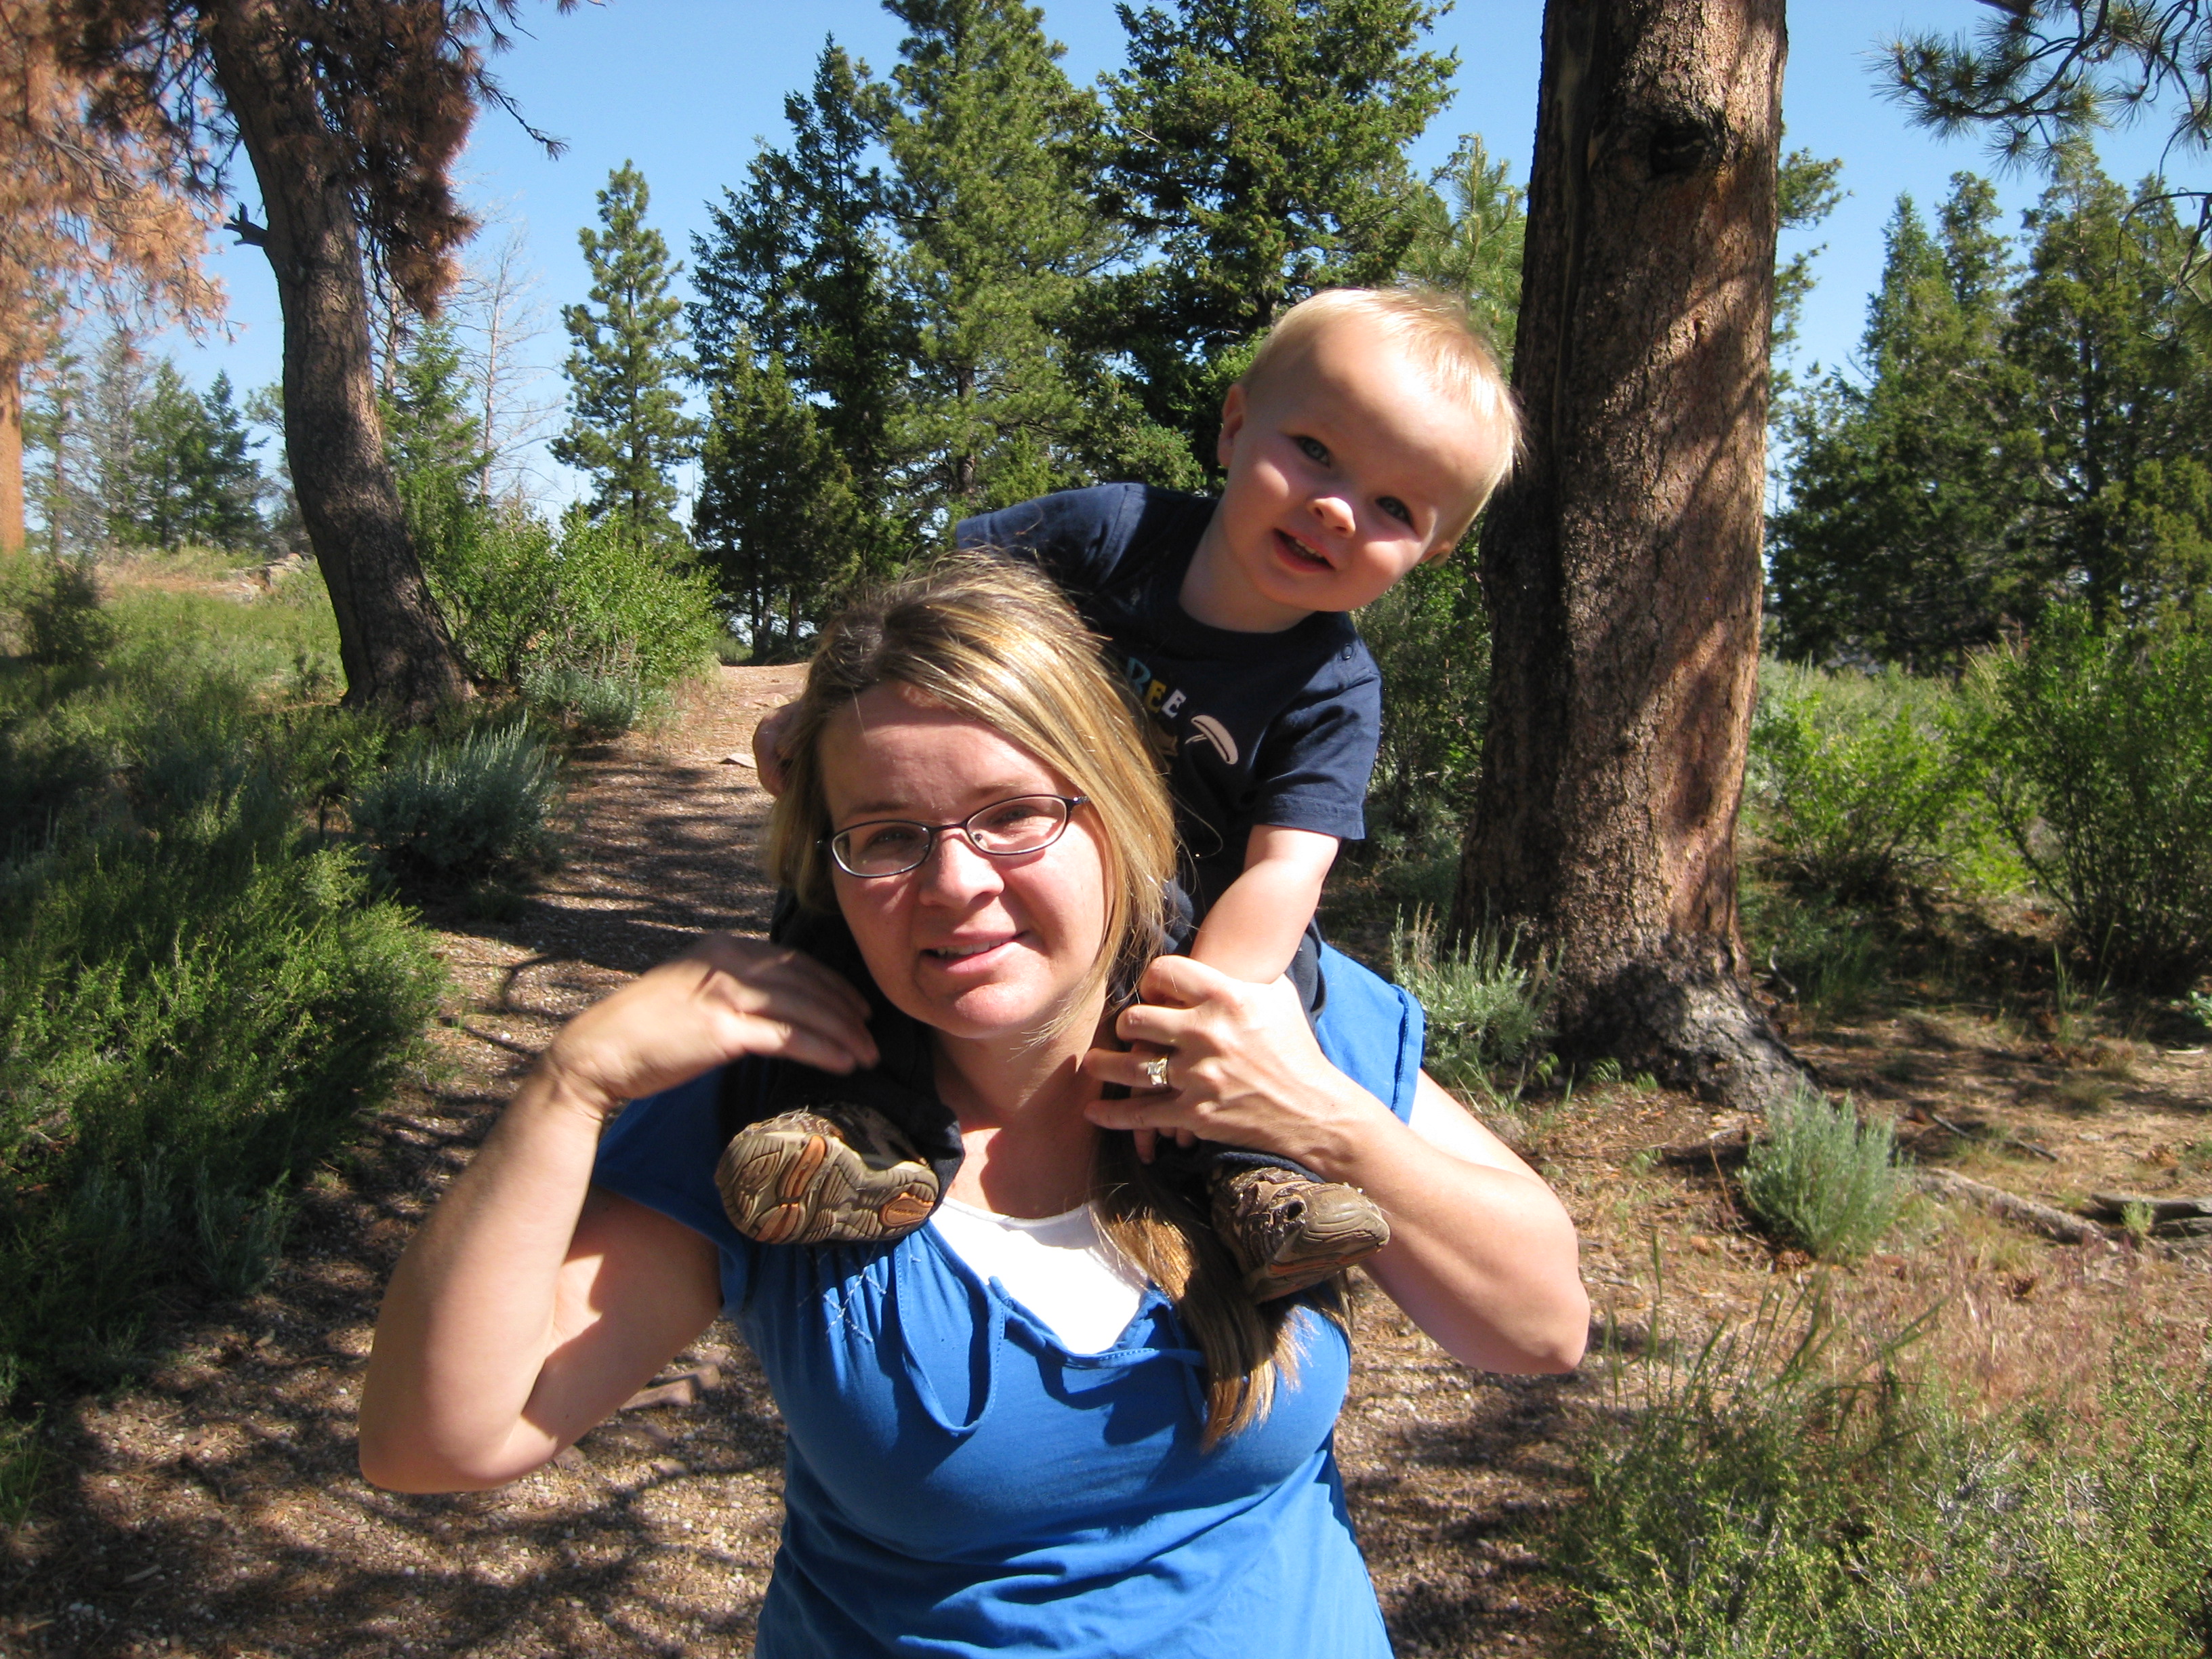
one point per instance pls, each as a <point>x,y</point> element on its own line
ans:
<point>1156,1071</point>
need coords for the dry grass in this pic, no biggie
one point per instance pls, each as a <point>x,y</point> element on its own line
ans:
<point>214,1511</point>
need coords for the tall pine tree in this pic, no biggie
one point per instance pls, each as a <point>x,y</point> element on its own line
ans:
<point>804,342</point>
<point>1261,145</point>
<point>778,516</point>
<point>986,135</point>
<point>2121,498</point>
<point>627,427</point>
<point>1901,540</point>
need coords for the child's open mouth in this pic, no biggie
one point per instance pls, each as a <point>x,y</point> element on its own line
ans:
<point>1296,554</point>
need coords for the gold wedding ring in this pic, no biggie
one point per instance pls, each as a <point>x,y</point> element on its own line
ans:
<point>1156,1071</point>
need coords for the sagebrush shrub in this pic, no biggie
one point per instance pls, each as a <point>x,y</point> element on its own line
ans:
<point>1823,1179</point>
<point>597,707</point>
<point>2095,749</point>
<point>462,810</point>
<point>1484,1008</point>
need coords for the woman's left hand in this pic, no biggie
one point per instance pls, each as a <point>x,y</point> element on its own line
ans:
<point>1481,1253</point>
<point>1242,1066</point>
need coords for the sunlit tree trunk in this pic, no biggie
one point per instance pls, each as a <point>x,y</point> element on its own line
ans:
<point>392,642</point>
<point>11,457</point>
<point>1622,567</point>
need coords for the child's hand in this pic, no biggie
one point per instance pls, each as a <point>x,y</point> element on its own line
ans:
<point>768,746</point>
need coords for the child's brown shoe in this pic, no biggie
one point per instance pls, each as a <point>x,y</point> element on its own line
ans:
<point>833,1173</point>
<point>1288,1230</point>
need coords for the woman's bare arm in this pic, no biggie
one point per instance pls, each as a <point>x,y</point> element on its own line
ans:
<point>530,1305</point>
<point>1482,1255</point>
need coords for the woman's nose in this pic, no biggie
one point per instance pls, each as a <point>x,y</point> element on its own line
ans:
<point>955,870</point>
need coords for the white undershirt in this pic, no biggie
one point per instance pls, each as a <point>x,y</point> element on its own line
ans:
<point>1059,1267</point>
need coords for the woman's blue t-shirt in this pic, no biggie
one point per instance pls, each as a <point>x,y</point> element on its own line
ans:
<point>958,1483</point>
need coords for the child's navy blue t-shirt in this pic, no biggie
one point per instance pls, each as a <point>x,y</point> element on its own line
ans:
<point>956,1482</point>
<point>1256,728</point>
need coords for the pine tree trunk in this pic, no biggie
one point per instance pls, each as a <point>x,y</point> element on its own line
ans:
<point>392,641</point>
<point>11,457</point>
<point>1622,567</point>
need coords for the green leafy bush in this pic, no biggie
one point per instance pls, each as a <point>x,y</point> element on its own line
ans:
<point>1823,1179</point>
<point>630,608</point>
<point>64,625</point>
<point>1853,781</point>
<point>1429,634</point>
<point>460,812</point>
<point>2096,751</point>
<point>594,598</point>
<point>496,580</point>
<point>1776,1496</point>
<point>1484,1008</point>
<point>596,707</point>
<point>197,997</point>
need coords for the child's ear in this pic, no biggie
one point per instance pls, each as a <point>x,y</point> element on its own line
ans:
<point>1232,423</point>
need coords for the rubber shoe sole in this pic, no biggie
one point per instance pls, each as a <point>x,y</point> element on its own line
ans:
<point>1289,1232</point>
<point>831,1174</point>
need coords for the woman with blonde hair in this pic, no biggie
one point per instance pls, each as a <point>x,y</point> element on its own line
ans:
<point>1050,1420</point>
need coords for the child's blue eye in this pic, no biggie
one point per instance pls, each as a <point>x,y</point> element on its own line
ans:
<point>1396,508</point>
<point>1314,450</point>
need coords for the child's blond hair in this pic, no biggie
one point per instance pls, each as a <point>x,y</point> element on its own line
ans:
<point>1433,328</point>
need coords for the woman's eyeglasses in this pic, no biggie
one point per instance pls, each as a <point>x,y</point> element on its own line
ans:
<point>1003,829</point>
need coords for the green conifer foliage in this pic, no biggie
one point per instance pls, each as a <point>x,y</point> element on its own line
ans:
<point>627,427</point>
<point>1900,540</point>
<point>1472,230</point>
<point>193,475</point>
<point>778,516</point>
<point>1260,143</point>
<point>436,443</point>
<point>436,450</point>
<point>1805,192</point>
<point>225,484</point>
<point>987,136</point>
<point>2122,501</point>
<point>796,307</point>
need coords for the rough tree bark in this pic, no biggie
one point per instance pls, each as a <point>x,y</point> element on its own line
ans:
<point>392,642</point>
<point>11,457</point>
<point>1622,567</point>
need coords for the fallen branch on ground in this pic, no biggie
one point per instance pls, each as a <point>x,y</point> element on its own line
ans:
<point>2036,1217</point>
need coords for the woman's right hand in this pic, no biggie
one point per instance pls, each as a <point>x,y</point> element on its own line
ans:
<point>723,999</point>
<point>528,1307</point>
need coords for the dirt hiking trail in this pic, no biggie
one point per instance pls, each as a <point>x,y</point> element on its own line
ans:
<point>215,1508</point>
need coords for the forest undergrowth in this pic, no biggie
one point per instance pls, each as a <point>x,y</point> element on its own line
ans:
<point>1772,1448</point>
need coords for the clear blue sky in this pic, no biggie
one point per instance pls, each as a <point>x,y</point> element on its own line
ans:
<point>687,87</point>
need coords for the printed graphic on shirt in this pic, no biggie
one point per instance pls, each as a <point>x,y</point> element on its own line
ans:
<point>1164,703</point>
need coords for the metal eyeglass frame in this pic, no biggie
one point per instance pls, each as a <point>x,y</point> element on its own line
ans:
<point>932,831</point>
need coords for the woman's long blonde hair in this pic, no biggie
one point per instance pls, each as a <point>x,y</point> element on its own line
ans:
<point>998,642</point>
